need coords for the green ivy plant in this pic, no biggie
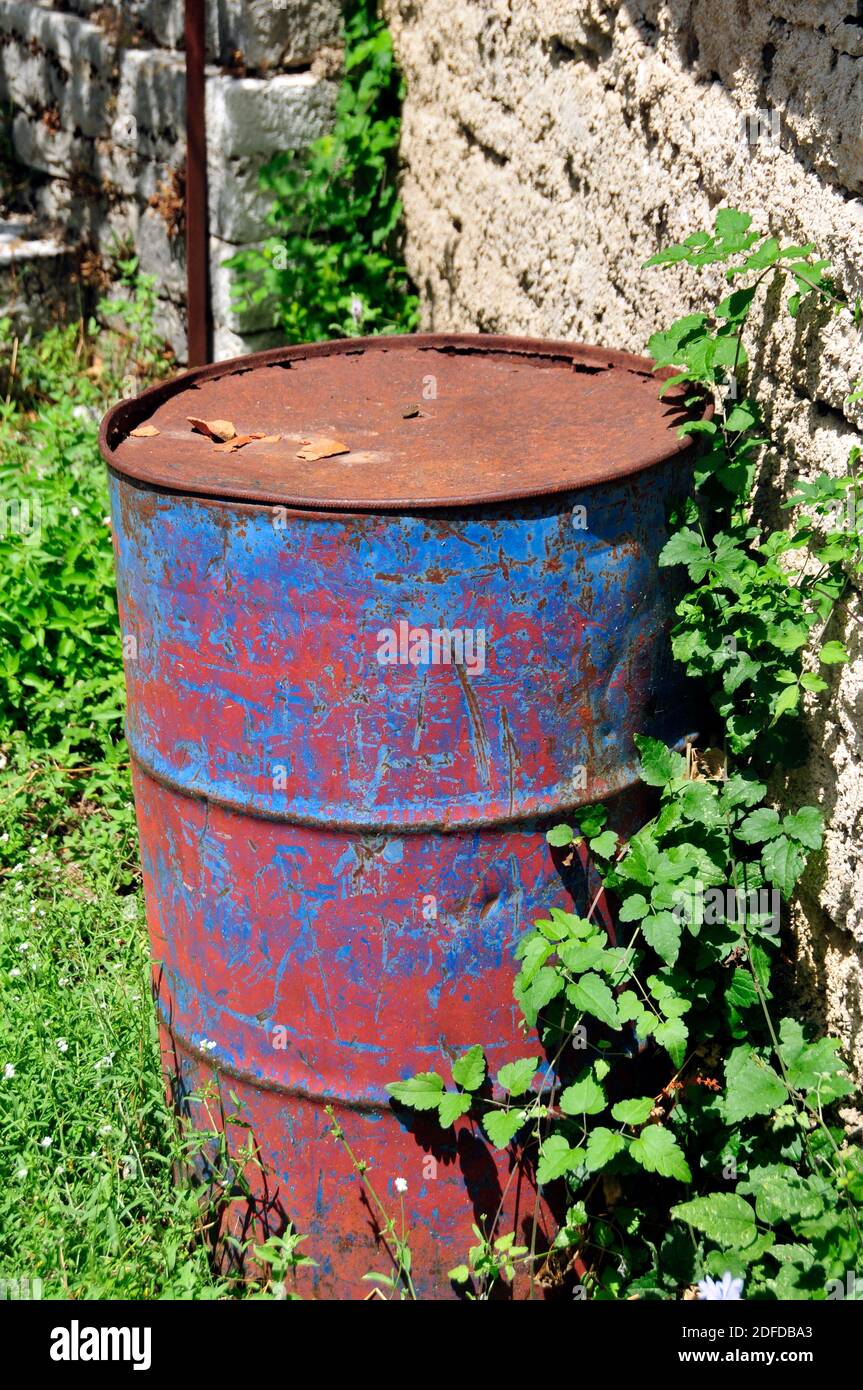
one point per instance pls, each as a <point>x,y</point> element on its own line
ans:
<point>333,264</point>
<point>694,1133</point>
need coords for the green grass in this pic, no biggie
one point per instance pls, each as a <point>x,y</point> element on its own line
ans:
<point>87,1143</point>
<point>89,1150</point>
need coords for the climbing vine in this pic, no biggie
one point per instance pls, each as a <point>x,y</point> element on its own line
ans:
<point>693,1132</point>
<point>332,265</point>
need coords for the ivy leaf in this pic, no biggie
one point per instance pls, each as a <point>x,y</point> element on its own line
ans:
<point>742,791</point>
<point>633,907</point>
<point>783,862</point>
<point>742,417</point>
<point>559,835</point>
<point>662,932</point>
<point>813,683</point>
<point>516,1077</point>
<point>604,844</point>
<point>687,548</point>
<point>664,987</point>
<point>736,307</point>
<point>805,826</point>
<point>673,1035</point>
<point>787,700</point>
<point>547,985</point>
<point>752,1087</point>
<point>591,819</point>
<point>659,765</point>
<point>640,859</point>
<point>533,952</point>
<point>633,1112</point>
<point>602,1146</point>
<point>813,1066</point>
<point>724,1218</point>
<point>781,1193</point>
<point>629,1006</point>
<point>741,993</point>
<point>591,995</point>
<point>657,1150</point>
<point>583,1097</point>
<point>760,825</point>
<point>501,1126</point>
<point>452,1105</point>
<point>578,927</point>
<point>731,223</point>
<point>833,654</point>
<point>556,1158</point>
<point>420,1092</point>
<point>469,1070</point>
<point>578,958</point>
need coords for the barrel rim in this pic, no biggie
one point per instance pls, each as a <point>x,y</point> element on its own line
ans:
<point>127,413</point>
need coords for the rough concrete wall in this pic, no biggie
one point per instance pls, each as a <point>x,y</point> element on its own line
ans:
<point>550,148</point>
<point>96,98</point>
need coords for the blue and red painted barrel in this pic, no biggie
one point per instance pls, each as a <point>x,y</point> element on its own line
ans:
<point>342,816</point>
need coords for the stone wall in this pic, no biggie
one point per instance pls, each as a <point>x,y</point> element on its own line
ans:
<point>551,147</point>
<point>95,99</point>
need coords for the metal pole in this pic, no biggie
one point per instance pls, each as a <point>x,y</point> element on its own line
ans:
<point>197,232</point>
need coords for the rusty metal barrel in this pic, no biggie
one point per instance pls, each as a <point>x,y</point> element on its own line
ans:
<point>373,650</point>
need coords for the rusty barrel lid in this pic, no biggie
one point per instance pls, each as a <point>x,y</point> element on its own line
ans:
<point>426,421</point>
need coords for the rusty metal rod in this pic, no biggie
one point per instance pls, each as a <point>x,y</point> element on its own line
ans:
<point>197,230</point>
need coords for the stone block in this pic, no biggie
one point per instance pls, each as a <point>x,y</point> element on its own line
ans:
<point>273,33</point>
<point>59,152</point>
<point>257,116</point>
<point>227,343</point>
<point>58,62</point>
<point>36,277</point>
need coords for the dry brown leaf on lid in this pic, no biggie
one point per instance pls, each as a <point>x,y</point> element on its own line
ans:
<point>220,430</point>
<point>268,438</point>
<point>144,432</point>
<point>322,448</point>
<point>230,446</point>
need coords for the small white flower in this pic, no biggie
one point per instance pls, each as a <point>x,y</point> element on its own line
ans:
<point>357,309</point>
<point>22,1173</point>
<point>13,974</point>
<point>4,838</point>
<point>25,946</point>
<point>207,1045</point>
<point>63,981</point>
<point>8,1071</point>
<point>104,1130</point>
<point>726,1287</point>
<point>401,1185</point>
<point>74,511</point>
<point>106,521</point>
<point>46,1142</point>
<point>62,1045</point>
<point>104,1061</point>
